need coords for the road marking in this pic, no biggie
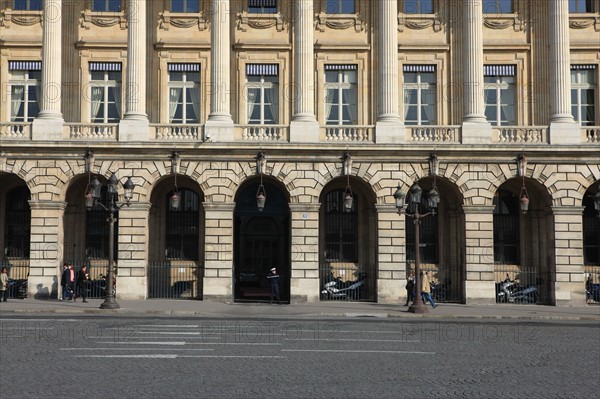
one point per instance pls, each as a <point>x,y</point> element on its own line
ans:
<point>143,343</point>
<point>357,351</point>
<point>347,339</point>
<point>132,349</point>
<point>167,332</point>
<point>121,337</point>
<point>168,325</point>
<point>131,356</point>
<point>158,356</point>
<point>235,356</point>
<point>57,319</point>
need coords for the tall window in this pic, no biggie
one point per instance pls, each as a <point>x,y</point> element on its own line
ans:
<point>97,229</point>
<point>340,7</point>
<point>341,228</point>
<point>418,6</point>
<point>105,95</point>
<point>497,6</point>
<point>428,236</point>
<point>27,5</point>
<point>17,223</point>
<point>106,5</point>
<point>499,89</point>
<point>341,94</point>
<point>262,6</point>
<point>584,93</point>
<point>591,231</point>
<point>184,93</point>
<point>191,6</point>
<point>581,6</point>
<point>506,228</point>
<point>182,238</point>
<point>419,94</point>
<point>24,84</point>
<point>263,93</point>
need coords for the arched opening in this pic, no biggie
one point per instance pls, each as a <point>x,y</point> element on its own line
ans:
<point>348,242</point>
<point>523,258</point>
<point>177,237</point>
<point>591,244</point>
<point>441,242</point>
<point>261,241</point>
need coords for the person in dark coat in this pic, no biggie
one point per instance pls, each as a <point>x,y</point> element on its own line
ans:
<point>410,289</point>
<point>65,282</point>
<point>82,278</point>
<point>274,280</point>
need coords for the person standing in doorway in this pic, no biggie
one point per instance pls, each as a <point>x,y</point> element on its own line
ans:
<point>4,284</point>
<point>64,282</point>
<point>274,280</point>
<point>426,290</point>
<point>410,289</point>
<point>82,279</point>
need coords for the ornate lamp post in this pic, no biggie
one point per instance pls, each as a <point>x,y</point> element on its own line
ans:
<point>412,211</point>
<point>92,198</point>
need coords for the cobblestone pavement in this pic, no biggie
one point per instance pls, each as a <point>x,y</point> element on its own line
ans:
<point>168,357</point>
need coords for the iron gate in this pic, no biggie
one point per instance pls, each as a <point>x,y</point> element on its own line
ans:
<point>174,279</point>
<point>445,282</point>
<point>592,284</point>
<point>97,270</point>
<point>515,284</point>
<point>347,282</point>
<point>18,273</point>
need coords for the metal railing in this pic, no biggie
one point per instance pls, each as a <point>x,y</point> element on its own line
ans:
<point>97,270</point>
<point>347,282</point>
<point>445,282</point>
<point>519,285</point>
<point>18,274</point>
<point>592,284</point>
<point>174,279</point>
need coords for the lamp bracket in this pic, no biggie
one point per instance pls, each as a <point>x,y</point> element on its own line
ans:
<point>346,164</point>
<point>175,162</point>
<point>261,163</point>
<point>89,161</point>
<point>522,165</point>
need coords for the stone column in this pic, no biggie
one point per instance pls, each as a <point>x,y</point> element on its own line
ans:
<point>49,123</point>
<point>132,241</point>
<point>219,125</point>
<point>479,261</point>
<point>304,285</point>
<point>475,128</point>
<point>135,125</point>
<point>46,248</point>
<point>391,251</point>
<point>389,127</point>
<point>304,126</point>
<point>218,251</point>
<point>563,129</point>
<point>568,240</point>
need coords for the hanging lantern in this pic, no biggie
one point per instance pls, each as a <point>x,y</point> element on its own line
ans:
<point>414,197</point>
<point>524,200</point>
<point>597,202</point>
<point>261,197</point>
<point>399,196</point>
<point>128,188</point>
<point>175,200</point>
<point>348,199</point>
<point>89,199</point>
<point>433,198</point>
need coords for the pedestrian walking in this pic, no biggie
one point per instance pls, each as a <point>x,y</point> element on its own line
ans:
<point>82,279</point>
<point>70,278</point>
<point>410,289</point>
<point>64,282</point>
<point>426,290</point>
<point>4,284</point>
<point>274,281</point>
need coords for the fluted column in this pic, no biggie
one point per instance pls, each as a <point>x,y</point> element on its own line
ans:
<point>387,61</point>
<point>220,49</point>
<point>560,86</point>
<point>136,61</point>
<point>474,106</point>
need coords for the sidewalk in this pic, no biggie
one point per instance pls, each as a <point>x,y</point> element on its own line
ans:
<point>189,308</point>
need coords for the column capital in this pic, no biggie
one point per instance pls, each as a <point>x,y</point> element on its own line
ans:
<point>568,210</point>
<point>219,206</point>
<point>48,205</point>
<point>478,209</point>
<point>300,207</point>
<point>386,208</point>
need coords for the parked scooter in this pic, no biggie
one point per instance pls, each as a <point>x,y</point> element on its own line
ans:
<point>17,289</point>
<point>351,289</point>
<point>510,291</point>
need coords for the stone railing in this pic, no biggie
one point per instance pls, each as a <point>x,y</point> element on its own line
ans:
<point>92,131</point>
<point>591,134</point>
<point>179,132</point>
<point>15,130</point>
<point>520,134</point>
<point>434,134</point>
<point>350,133</point>
<point>263,132</point>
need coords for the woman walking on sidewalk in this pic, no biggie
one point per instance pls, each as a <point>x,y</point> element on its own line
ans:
<point>4,284</point>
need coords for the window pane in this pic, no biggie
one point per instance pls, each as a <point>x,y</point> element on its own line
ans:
<point>418,6</point>
<point>497,6</point>
<point>410,77</point>
<point>177,5</point>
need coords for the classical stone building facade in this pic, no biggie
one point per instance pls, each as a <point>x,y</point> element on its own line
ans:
<point>308,100</point>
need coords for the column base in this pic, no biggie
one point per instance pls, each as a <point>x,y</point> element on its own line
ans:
<point>134,130</point>
<point>304,132</point>
<point>565,133</point>
<point>304,290</point>
<point>570,293</point>
<point>388,292</point>
<point>42,287</point>
<point>131,288</point>
<point>480,292</point>
<point>390,132</point>
<point>476,133</point>
<point>219,130</point>
<point>47,129</point>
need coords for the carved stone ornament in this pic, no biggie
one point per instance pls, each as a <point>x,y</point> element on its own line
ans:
<point>259,21</point>
<point>182,21</point>
<point>585,22</point>
<point>419,23</point>
<point>20,17</point>
<point>504,22</point>
<point>102,20</point>
<point>337,22</point>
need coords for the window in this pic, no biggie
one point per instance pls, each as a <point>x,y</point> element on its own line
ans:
<point>591,230</point>
<point>25,86</point>
<point>105,86</point>
<point>28,5</point>
<point>17,223</point>
<point>340,94</point>
<point>341,228</point>
<point>499,89</point>
<point>340,7</point>
<point>581,6</point>
<point>418,6</point>
<point>262,6</point>
<point>191,6</point>
<point>184,93</point>
<point>584,91</point>
<point>106,5</point>
<point>182,235</point>
<point>419,94</point>
<point>506,228</point>
<point>497,6</point>
<point>263,93</point>
<point>97,230</point>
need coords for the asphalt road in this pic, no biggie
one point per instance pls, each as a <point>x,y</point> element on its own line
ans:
<point>150,357</point>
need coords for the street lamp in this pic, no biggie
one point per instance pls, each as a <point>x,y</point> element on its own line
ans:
<point>92,198</point>
<point>412,211</point>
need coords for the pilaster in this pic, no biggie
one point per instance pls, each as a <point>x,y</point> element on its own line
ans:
<point>304,283</point>
<point>391,252</point>
<point>218,251</point>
